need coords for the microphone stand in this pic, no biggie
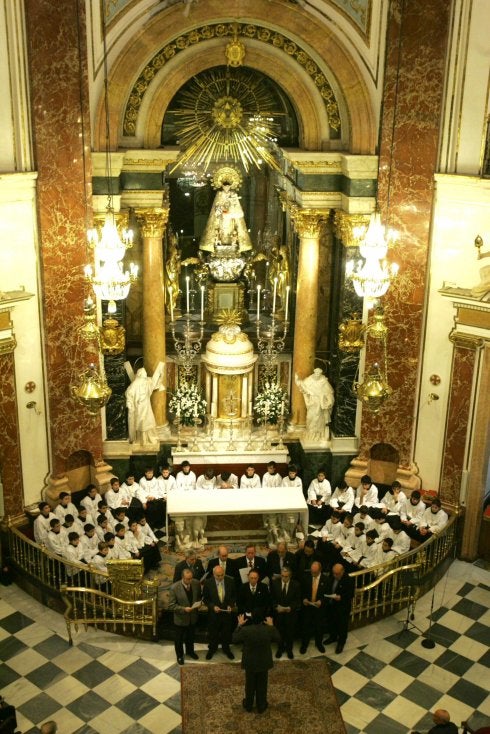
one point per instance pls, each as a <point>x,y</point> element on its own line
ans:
<point>427,642</point>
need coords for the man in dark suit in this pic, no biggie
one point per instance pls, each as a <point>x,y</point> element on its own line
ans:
<point>286,599</point>
<point>277,559</point>
<point>227,564</point>
<point>341,585</point>
<point>303,558</point>
<point>251,561</point>
<point>256,659</point>
<point>219,595</point>
<point>193,563</point>
<point>184,598</point>
<point>314,588</point>
<point>254,599</point>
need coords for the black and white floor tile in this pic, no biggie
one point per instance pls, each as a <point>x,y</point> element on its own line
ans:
<point>386,681</point>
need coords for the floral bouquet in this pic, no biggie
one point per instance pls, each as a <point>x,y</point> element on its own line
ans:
<point>271,402</point>
<point>187,403</point>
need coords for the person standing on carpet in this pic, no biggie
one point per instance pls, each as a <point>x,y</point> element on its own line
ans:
<point>184,602</point>
<point>256,659</point>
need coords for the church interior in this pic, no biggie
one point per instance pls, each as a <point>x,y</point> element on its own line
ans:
<point>240,234</point>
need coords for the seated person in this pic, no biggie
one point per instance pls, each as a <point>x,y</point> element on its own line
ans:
<point>55,540</point>
<point>116,496</point>
<point>401,541</point>
<point>167,481</point>
<point>318,498</point>
<point>91,500</point>
<point>292,479</point>
<point>206,480</point>
<point>65,507</point>
<point>411,515</point>
<point>363,516</point>
<point>42,523</point>
<point>366,493</point>
<point>342,498</point>
<point>186,478</point>
<point>227,480</point>
<point>395,501</point>
<point>433,520</point>
<point>89,542</point>
<point>271,478</point>
<point>250,480</point>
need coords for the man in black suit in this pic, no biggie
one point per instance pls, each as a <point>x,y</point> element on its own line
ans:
<point>286,599</point>
<point>256,659</point>
<point>341,585</point>
<point>227,564</point>
<point>254,599</point>
<point>277,559</point>
<point>191,562</point>
<point>314,588</point>
<point>219,595</point>
<point>251,561</point>
<point>303,558</point>
<point>183,595</point>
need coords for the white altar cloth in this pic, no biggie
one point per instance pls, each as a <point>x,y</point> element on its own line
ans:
<point>284,500</point>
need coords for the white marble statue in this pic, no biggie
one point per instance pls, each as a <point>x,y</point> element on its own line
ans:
<point>141,420</point>
<point>198,531</point>
<point>182,536</point>
<point>319,400</point>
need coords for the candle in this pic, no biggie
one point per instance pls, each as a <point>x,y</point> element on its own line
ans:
<point>274,297</point>
<point>282,409</point>
<point>171,304</point>
<point>266,274</point>
<point>202,303</point>
<point>258,302</point>
<point>287,304</point>
<point>187,281</point>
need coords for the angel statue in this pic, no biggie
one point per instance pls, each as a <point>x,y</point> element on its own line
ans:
<point>141,420</point>
<point>280,269</point>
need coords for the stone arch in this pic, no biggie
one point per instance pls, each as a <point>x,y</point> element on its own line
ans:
<point>298,26</point>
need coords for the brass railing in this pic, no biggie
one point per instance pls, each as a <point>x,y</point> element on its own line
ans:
<point>119,600</point>
<point>86,606</point>
<point>384,589</point>
<point>132,608</point>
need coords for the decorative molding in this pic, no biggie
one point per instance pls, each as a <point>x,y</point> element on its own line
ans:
<point>466,341</point>
<point>205,33</point>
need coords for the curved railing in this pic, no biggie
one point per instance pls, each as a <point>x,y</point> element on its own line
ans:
<point>131,606</point>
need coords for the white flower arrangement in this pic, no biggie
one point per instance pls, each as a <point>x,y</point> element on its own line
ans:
<point>271,402</point>
<point>188,404</point>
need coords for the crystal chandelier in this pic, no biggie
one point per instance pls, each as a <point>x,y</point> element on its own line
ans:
<point>108,279</point>
<point>372,277</point>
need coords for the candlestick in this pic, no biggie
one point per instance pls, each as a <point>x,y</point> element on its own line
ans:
<point>171,304</point>
<point>187,280</point>
<point>258,302</point>
<point>202,303</point>
<point>287,303</point>
<point>274,297</point>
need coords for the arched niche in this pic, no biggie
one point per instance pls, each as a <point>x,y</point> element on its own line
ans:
<point>331,56</point>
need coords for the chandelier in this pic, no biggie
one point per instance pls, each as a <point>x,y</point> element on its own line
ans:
<point>224,117</point>
<point>107,277</point>
<point>375,389</point>
<point>372,277</point>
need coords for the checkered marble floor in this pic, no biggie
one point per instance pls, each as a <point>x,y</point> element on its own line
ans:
<point>386,681</point>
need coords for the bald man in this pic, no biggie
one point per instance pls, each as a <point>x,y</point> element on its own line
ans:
<point>443,723</point>
<point>227,564</point>
<point>339,595</point>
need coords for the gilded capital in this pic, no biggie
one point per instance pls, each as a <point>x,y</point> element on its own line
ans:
<point>466,341</point>
<point>152,221</point>
<point>309,222</point>
<point>345,224</point>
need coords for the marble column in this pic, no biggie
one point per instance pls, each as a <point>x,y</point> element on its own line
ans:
<point>416,42</point>
<point>56,49</point>
<point>152,222</point>
<point>308,224</point>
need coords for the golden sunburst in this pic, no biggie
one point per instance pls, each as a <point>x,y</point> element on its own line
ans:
<point>229,317</point>
<point>225,116</point>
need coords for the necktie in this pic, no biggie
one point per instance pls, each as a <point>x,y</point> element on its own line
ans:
<point>250,564</point>
<point>221,592</point>
<point>284,591</point>
<point>334,586</point>
<point>314,588</point>
<point>253,589</point>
